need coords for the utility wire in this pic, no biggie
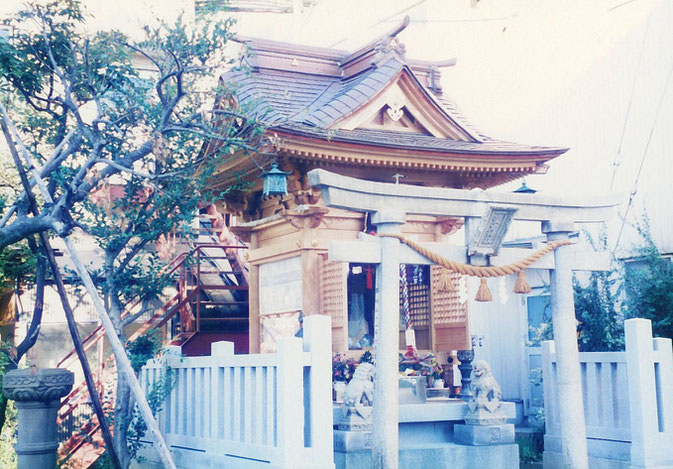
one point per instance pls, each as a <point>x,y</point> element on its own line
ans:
<point>616,162</point>
<point>394,15</point>
<point>620,5</point>
<point>642,161</point>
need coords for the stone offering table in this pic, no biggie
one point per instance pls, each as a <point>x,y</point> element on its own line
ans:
<point>37,393</point>
<point>426,437</point>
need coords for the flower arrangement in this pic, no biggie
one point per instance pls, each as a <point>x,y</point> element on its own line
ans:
<point>437,370</point>
<point>343,367</point>
<point>413,365</point>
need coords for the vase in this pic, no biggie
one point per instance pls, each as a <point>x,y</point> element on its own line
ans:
<point>339,390</point>
<point>438,383</point>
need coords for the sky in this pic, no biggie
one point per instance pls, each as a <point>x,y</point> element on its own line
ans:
<point>546,72</point>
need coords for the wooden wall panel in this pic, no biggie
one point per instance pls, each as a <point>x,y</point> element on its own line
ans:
<point>450,328</point>
<point>334,300</point>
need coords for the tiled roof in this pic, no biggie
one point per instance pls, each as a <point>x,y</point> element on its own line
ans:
<point>353,93</point>
<point>305,90</point>
<point>275,96</point>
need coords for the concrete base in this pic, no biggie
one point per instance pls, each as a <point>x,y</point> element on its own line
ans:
<point>439,455</point>
<point>603,454</point>
<point>483,435</point>
<point>555,461</point>
<point>192,459</point>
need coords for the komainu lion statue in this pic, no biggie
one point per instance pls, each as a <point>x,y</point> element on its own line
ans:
<point>487,392</point>
<point>358,399</point>
<point>360,390</point>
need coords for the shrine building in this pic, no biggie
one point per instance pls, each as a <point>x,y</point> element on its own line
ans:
<point>373,114</point>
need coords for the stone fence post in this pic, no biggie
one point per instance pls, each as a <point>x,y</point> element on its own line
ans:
<point>650,377</point>
<point>37,394</point>
<point>318,341</point>
<point>290,392</point>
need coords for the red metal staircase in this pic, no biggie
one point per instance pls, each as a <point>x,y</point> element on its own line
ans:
<point>210,304</point>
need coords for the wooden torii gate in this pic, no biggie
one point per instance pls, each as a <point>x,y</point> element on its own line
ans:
<point>389,204</point>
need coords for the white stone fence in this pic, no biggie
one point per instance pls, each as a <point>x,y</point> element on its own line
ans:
<point>268,411</point>
<point>628,402</point>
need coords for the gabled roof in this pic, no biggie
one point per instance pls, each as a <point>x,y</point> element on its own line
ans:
<point>300,91</point>
<point>374,98</point>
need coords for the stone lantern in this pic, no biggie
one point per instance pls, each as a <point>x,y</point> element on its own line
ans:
<point>37,393</point>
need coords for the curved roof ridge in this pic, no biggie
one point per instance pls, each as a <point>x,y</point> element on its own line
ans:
<point>454,110</point>
<point>355,93</point>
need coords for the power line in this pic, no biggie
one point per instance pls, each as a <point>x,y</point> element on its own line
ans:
<point>616,162</point>
<point>642,160</point>
<point>620,5</point>
<point>394,15</point>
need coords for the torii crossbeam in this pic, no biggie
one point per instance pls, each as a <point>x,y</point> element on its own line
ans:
<point>389,204</point>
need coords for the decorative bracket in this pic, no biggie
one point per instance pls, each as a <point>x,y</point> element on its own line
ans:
<point>314,216</point>
<point>449,226</point>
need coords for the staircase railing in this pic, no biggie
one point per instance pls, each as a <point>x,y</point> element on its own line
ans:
<point>187,305</point>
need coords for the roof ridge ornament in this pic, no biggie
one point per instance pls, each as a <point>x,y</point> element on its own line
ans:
<point>390,43</point>
<point>395,104</point>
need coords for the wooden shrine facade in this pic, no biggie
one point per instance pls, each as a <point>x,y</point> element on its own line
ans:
<point>372,114</point>
<point>289,266</point>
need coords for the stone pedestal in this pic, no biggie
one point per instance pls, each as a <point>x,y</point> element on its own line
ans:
<point>483,427</point>
<point>352,441</point>
<point>482,435</point>
<point>37,394</point>
<point>357,418</point>
<point>481,416</point>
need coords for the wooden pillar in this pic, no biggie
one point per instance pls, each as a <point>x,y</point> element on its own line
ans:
<point>310,265</point>
<point>254,326</point>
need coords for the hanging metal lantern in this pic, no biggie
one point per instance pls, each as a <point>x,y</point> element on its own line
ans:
<point>275,181</point>
<point>524,189</point>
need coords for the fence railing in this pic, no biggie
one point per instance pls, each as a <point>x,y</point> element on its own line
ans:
<point>266,410</point>
<point>628,399</point>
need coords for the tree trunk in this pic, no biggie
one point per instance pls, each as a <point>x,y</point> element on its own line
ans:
<point>51,260</point>
<point>122,420</point>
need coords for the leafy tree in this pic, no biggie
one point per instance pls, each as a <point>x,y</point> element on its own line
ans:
<point>597,306</point>
<point>601,322</point>
<point>17,262</point>
<point>20,267</point>
<point>648,282</point>
<point>120,148</point>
